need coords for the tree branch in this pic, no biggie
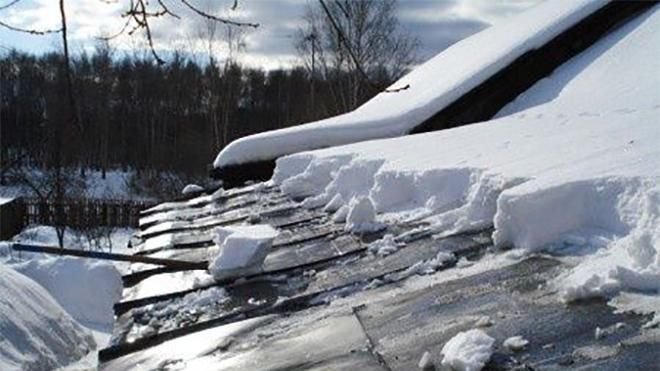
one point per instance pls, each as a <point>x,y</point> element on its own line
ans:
<point>11,3</point>
<point>29,31</point>
<point>218,19</point>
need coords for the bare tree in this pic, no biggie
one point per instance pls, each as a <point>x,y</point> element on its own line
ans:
<point>140,13</point>
<point>359,39</point>
<point>222,88</point>
<point>55,185</point>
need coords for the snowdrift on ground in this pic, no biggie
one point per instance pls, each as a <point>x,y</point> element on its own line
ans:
<point>572,167</point>
<point>433,86</point>
<point>35,332</point>
<point>85,288</point>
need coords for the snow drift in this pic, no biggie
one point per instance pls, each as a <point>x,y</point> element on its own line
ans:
<point>86,289</point>
<point>35,332</point>
<point>572,167</point>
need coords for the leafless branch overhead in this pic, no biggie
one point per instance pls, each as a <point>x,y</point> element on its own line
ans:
<point>29,31</point>
<point>11,3</point>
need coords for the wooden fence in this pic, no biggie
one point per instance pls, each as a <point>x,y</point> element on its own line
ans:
<point>84,213</point>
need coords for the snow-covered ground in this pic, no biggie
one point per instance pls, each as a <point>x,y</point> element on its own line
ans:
<point>115,186</point>
<point>79,293</point>
<point>431,86</point>
<point>571,167</point>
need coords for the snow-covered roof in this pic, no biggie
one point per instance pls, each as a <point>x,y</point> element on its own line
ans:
<point>432,86</point>
<point>389,252</point>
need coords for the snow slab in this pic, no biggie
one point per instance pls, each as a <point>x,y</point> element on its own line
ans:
<point>468,351</point>
<point>571,167</point>
<point>433,85</point>
<point>240,250</point>
<point>35,332</point>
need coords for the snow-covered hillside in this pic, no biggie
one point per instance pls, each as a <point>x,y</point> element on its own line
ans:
<point>571,167</point>
<point>431,86</point>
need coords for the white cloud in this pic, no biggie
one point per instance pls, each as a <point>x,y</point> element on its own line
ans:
<point>438,23</point>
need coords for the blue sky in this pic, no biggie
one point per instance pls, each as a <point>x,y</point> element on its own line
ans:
<point>437,23</point>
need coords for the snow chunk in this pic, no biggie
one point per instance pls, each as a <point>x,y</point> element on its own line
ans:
<point>425,363</point>
<point>241,250</point>
<point>340,215</point>
<point>361,216</point>
<point>315,177</point>
<point>335,204</point>
<point>515,343</point>
<point>468,351</point>
<point>424,267</point>
<point>192,188</point>
<point>484,321</point>
<point>36,332</point>
<point>385,246</point>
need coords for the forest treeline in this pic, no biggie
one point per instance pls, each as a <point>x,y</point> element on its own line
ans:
<point>134,113</point>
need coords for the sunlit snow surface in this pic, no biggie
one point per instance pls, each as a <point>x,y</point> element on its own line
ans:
<point>37,334</point>
<point>82,292</point>
<point>571,167</point>
<point>432,86</point>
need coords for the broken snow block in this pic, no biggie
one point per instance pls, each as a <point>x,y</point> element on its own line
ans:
<point>361,216</point>
<point>192,189</point>
<point>240,251</point>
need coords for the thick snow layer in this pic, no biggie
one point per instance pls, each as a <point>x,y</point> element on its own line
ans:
<point>241,250</point>
<point>432,86</point>
<point>574,168</point>
<point>86,289</point>
<point>468,351</point>
<point>35,332</point>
